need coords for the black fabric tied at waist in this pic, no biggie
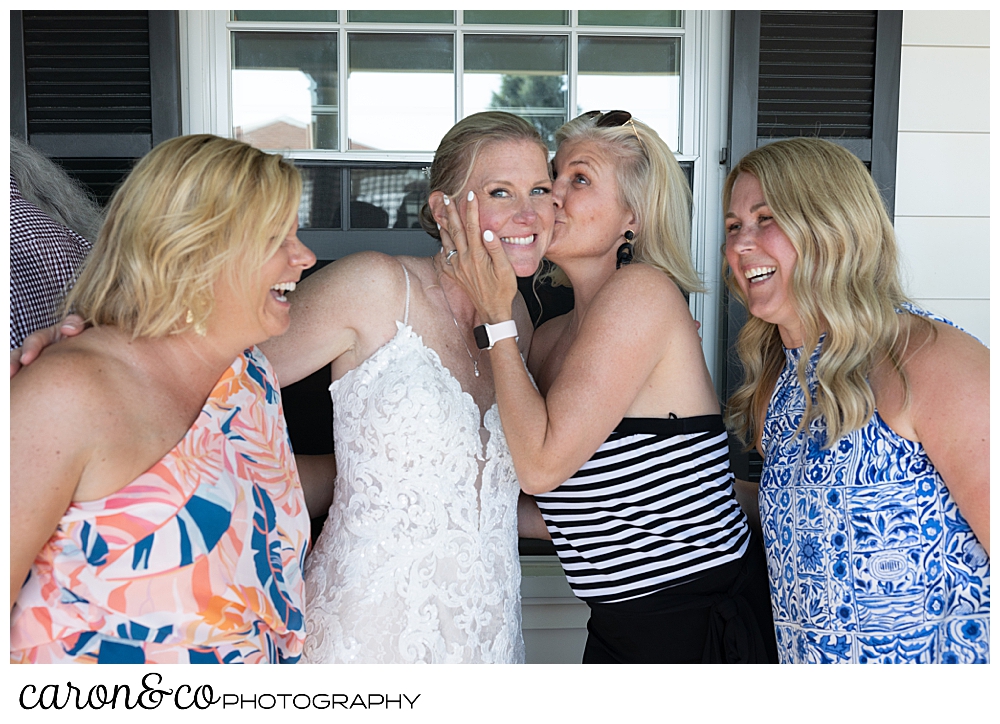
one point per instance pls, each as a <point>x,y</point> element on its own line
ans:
<point>733,634</point>
<point>722,616</point>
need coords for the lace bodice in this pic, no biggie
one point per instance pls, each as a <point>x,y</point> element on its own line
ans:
<point>418,559</point>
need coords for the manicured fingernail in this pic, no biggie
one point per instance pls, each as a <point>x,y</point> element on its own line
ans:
<point>487,235</point>
<point>471,196</point>
<point>447,201</point>
<point>439,229</point>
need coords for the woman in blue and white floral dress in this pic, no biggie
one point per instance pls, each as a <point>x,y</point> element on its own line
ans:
<point>872,417</point>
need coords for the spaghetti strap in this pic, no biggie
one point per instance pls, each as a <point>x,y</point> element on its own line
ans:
<point>406,310</point>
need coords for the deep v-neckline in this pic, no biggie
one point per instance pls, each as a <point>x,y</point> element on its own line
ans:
<point>406,335</point>
<point>406,331</point>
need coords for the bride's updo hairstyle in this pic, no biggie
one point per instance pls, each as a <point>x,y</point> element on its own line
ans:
<point>458,150</point>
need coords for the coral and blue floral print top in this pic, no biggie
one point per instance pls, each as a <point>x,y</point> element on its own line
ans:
<point>198,560</point>
<point>868,556</point>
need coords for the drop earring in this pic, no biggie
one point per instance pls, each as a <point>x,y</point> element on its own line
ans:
<point>199,327</point>
<point>625,250</point>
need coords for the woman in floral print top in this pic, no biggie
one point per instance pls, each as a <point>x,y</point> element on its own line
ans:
<point>872,417</point>
<point>156,511</point>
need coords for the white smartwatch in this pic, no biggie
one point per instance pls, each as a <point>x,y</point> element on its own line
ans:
<point>488,335</point>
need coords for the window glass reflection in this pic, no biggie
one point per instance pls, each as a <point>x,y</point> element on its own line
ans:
<point>633,18</point>
<point>286,16</point>
<point>520,74</point>
<point>400,16</point>
<point>639,75</point>
<point>320,205</point>
<point>401,91</point>
<point>516,17</point>
<point>387,198</point>
<point>284,90</point>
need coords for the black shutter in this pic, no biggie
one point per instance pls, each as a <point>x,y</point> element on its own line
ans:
<point>816,75</point>
<point>832,74</point>
<point>100,88</point>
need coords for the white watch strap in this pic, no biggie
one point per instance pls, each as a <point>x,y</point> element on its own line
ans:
<point>503,330</point>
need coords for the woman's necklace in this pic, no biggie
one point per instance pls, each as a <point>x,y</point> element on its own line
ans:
<point>475,360</point>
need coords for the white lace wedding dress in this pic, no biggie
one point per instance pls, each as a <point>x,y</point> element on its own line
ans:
<point>415,564</point>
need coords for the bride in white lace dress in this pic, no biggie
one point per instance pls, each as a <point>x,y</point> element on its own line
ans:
<point>417,561</point>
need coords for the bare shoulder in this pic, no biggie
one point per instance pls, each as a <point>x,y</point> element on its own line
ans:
<point>645,296</point>
<point>938,355</point>
<point>643,283</point>
<point>363,274</point>
<point>345,308</point>
<point>354,292</point>
<point>60,391</point>
<point>947,372</point>
<point>72,367</point>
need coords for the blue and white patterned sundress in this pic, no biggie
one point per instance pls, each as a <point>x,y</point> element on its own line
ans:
<point>868,556</point>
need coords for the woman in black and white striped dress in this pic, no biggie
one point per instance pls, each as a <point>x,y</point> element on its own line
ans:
<point>622,443</point>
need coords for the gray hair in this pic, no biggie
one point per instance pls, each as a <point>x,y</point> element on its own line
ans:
<point>52,190</point>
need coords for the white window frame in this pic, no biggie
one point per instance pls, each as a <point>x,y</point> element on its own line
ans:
<point>704,101</point>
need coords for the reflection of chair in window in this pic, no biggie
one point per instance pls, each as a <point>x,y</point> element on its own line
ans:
<point>325,200</point>
<point>364,216</point>
<point>407,215</point>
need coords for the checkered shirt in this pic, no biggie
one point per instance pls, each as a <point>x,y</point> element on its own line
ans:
<point>44,258</point>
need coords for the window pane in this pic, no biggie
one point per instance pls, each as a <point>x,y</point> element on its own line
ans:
<point>639,75</point>
<point>522,74</point>
<point>400,16</point>
<point>401,91</point>
<point>285,90</point>
<point>516,17</point>
<point>320,205</point>
<point>387,198</point>
<point>286,16</point>
<point>634,18</point>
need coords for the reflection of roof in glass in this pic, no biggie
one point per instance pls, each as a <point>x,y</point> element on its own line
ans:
<point>282,133</point>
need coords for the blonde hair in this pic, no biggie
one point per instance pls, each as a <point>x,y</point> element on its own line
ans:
<point>193,209</point>
<point>845,283</point>
<point>653,187</point>
<point>456,154</point>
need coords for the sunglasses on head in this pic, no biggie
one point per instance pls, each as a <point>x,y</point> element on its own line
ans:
<point>614,119</point>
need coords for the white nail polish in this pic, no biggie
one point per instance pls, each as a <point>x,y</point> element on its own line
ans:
<point>447,201</point>
<point>471,196</point>
<point>439,229</point>
<point>487,235</point>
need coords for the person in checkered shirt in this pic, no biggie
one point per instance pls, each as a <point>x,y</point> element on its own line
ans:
<point>44,258</point>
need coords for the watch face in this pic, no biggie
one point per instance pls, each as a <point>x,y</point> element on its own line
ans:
<point>482,336</point>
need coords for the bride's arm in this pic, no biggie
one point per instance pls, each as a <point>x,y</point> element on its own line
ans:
<point>331,309</point>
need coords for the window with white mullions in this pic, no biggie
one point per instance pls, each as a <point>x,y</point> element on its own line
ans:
<point>522,74</point>
<point>638,74</point>
<point>284,90</point>
<point>409,75</point>
<point>400,89</point>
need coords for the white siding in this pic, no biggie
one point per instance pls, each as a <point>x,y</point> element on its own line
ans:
<point>553,620</point>
<point>943,169</point>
